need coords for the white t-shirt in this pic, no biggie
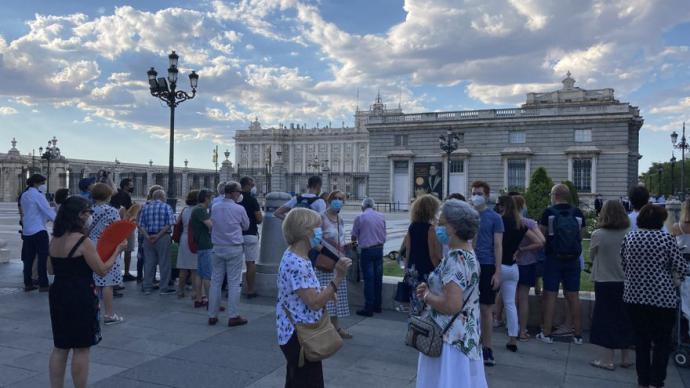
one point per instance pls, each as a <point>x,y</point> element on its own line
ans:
<point>318,206</point>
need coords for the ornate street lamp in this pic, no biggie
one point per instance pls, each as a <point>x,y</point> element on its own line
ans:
<point>269,164</point>
<point>448,144</point>
<point>168,93</point>
<point>214,159</point>
<point>659,171</point>
<point>52,152</point>
<point>673,167</point>
<point>682,146</point>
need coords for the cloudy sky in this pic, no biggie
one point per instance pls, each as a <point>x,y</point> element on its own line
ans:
<point>77,70</point>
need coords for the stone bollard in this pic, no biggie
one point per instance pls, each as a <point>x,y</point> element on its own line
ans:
<point>272,245</point>
<point>4,252</point>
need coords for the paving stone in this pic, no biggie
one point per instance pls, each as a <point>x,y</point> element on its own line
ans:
<point>10,375</point>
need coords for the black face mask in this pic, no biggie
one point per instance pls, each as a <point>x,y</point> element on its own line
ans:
<point>131,189</point>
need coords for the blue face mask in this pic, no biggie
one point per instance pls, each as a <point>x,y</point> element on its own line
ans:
<point>336,204</point>
<point>316,240</point>
<point>442,235</point>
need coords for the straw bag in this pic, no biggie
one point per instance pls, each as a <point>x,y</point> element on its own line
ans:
<point>318,341</point>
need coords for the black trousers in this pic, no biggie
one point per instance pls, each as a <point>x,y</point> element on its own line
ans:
<point>651,325</point>
<point>32,246</point>
<point>308,376</point>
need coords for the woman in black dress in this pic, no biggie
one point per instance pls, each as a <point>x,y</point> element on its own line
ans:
<point>73,302</point>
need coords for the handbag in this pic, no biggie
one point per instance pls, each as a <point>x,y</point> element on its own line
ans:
<point>193,246</point>
<point>177,229</point>
<point>317,341</point>
<point>403,292</point>
<point>425,335</point>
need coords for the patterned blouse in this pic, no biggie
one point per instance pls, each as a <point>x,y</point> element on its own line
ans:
<point>103,215</point>
<point>651,258</point>
<point>460,267</point>
<point>294,273</point>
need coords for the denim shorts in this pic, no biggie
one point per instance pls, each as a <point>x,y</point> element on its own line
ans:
<point>558,271</point>
<point>204,263</point>
<point>528,275</point>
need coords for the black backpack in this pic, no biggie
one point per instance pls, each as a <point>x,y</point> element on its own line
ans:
<point>566,242</point>
<point>305,202</point>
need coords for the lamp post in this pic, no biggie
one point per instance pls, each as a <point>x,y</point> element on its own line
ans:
<point>269,164</point>
<point>166,91</point>
<point>215,163</point>
<point>682,146</point>
<point>659,171</point>
<point>52,152</point>
<point>448,144</point>
<point>673,167</point>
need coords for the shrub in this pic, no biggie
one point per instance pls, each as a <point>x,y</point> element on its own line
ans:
<point>574,198</point>
<point>538,195</point>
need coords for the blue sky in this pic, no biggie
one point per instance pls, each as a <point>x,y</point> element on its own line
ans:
<point>77,70</point>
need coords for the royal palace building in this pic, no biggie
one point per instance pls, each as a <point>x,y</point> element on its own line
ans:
<point>584,136</point>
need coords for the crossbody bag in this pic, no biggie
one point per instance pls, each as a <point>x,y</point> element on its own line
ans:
<point>425,335</point>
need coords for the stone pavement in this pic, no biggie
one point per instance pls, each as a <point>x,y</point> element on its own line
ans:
<point>166,343</point>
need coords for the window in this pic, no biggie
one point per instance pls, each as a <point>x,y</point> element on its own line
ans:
<point>582,175</point>
<point>400,140</point>
<point>517,137</point>
<point>400,167</point>
<point>457,166</point>
<point>583,135</point>
<point>516,174</point>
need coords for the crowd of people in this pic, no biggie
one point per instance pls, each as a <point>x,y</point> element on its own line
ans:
<point>463,258</point>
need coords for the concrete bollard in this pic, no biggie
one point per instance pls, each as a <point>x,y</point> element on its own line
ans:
<point>272,245</point>
<point>4,252</point>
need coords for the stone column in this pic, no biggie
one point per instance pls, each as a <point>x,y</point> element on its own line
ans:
<point>226,171</point>
<point>278,171</point>
<point>325,177</point>
<point>12,178</point>
<point>185,183</point>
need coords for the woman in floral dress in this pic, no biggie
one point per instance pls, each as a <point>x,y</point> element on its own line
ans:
<point>104,215</point>
<point>452,288</point>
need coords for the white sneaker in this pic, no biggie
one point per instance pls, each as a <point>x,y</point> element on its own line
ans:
<point>577,340</point>
<point>115,319</point>
<point>547,339</point>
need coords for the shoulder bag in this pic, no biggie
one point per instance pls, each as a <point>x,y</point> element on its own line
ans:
<point>425,335</point>
<point>317,341</point>
<point>177,229</point>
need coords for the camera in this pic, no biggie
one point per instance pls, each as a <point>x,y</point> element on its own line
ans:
<point>103,176</point>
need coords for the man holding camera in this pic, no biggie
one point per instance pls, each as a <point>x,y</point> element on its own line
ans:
<point>122,201</point>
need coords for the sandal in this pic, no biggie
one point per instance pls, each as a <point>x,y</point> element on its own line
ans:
<point>344,334</point>
<point>524,337</point>
<point>601,365</point>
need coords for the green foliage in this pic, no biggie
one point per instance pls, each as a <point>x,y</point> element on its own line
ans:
<point>538,195</point>
<point>574,198</point>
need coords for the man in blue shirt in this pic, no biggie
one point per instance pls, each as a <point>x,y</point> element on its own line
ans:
<point>36,212</point>
<point>156,220</point>
<point>489,250</point>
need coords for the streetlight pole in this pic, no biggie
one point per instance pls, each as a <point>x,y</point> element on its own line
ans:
<point>659,170</point>
<point>682,146</point>
<point>215,163</point>
<point>166,91</point>
<point>52,152</point>
<point>448,144</point>
<point>673,167</point>
<point>269,162</point>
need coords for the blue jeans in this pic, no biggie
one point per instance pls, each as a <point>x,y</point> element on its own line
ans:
<point>371,261</point>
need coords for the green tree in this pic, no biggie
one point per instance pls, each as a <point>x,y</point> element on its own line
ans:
<point>574,198</point>
<point>538,195</point>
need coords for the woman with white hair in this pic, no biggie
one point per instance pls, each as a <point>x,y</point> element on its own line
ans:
<point>301,299</point>
<point>452,291</point>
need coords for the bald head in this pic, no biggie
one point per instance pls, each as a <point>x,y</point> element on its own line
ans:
<point>560,193</point>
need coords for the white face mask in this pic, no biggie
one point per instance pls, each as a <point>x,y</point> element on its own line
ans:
<point>478,201</point>
<point>89,222</point>
<point>239,199</point>
<point>253,191</point>
<point>43,188</point>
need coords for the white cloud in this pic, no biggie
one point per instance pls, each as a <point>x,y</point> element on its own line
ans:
<point>7,110</point>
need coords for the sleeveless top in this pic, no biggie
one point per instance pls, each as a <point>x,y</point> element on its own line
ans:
<point>419,249</point>
<point>512,237</point>
<point>683,240</point>
<point>72,267</point>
